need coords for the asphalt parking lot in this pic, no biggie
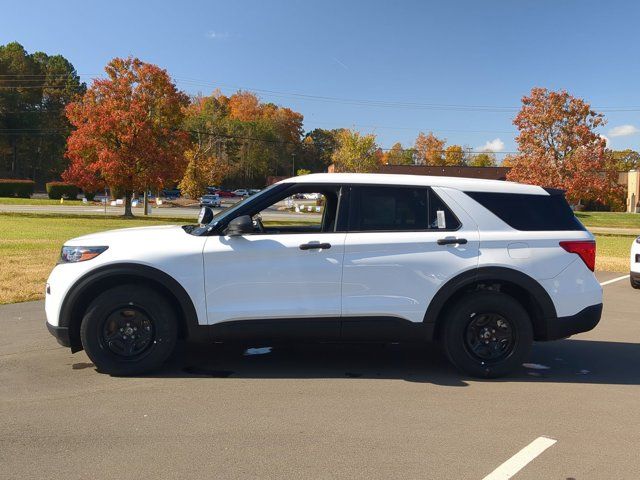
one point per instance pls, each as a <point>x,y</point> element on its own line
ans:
<point>322,411</point>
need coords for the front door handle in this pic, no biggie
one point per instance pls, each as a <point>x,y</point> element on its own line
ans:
<point>312,246</point>
<point>452,241</point>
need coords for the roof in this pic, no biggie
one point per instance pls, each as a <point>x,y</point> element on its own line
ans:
<point>459,183</point>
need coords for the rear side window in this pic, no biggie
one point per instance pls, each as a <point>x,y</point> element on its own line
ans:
<point>530,212</point>
<point>399,209</point>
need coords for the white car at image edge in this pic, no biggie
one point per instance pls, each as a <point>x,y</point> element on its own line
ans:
<point>634,264</point>
<point>483,267</point>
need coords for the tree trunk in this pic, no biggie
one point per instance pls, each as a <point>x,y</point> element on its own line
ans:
<point>146,201</point>
<point>127,204</point>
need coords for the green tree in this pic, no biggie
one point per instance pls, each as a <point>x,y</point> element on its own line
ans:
<point>34,90</point>
<point>318,147</point>
<point>626,160</point>
<point>356,153</point>
<point>484,159</point>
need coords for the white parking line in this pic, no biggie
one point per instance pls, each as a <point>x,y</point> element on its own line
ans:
<point>602,284</point>
<point>521,459</point>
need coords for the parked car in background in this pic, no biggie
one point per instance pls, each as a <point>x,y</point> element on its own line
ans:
<point>170,194</point>
<point>210,200</point>
<point>225,194</point>
<point>241,192</point>
<point>483,267</point>
<point>253,191</point>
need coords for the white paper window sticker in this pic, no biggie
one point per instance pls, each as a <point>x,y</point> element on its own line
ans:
<point>442,223</point>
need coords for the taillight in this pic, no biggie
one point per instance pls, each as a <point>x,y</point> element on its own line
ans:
<point>585,248</point>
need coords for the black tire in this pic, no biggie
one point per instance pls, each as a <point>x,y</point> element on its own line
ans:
<point>470,318</point>
<point>129,307</point>
<point>634,283</point>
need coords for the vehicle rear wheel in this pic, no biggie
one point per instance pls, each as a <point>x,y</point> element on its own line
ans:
<point>487,334</point>
<point>129,330</point>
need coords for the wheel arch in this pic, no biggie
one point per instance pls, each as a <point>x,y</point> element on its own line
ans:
<point>526,290</point>
<point>85,289</point>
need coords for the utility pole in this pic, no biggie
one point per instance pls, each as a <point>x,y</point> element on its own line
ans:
<point>293,165</point>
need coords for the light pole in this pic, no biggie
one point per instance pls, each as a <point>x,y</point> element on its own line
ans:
<point>293,165</point>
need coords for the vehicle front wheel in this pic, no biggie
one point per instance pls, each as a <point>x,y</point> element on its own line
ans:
<point>129,330</point>
<point>487,334</point>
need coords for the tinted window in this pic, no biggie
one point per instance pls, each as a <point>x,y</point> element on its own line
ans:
<point>530,212</point>
<point>399,209</point>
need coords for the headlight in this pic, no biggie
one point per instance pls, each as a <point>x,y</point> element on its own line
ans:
<point>79,254</point>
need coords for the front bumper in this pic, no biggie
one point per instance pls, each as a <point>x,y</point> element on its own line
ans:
<point>61,334</point>
<point>583,321</point>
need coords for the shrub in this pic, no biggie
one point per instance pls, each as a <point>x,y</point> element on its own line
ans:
<point>58,190</point>
<point>10,187</point>
<point>90,196</point>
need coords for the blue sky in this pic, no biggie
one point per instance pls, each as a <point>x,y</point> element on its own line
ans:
<point>407,55</point>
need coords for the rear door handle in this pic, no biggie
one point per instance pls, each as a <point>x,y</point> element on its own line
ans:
<point>316,246</point>
<point>452,241</point>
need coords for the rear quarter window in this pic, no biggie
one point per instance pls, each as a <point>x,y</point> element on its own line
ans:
<point>530,212</point>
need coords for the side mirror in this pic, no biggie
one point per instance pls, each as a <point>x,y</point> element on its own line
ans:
<point>239,226</point>
<point>205,216</point>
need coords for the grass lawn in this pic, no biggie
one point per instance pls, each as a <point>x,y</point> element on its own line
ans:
<point>36,201</point>
<point>612,252</point>
<point>30,245</point>
<point>609,219</point>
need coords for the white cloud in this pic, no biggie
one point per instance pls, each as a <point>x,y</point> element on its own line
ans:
<point>213,35</point>
<point>495,145</point>
<point>624,131</point>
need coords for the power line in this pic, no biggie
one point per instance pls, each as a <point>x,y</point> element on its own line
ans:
<point>361,102</point>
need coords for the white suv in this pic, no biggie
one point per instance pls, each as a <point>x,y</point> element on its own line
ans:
<point>484,267</point>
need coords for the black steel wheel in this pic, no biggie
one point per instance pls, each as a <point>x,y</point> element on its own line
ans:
<point>486,334</point>
<point>129,330</point>
<point>490,337</point>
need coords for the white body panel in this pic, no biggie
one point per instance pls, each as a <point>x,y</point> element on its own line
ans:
<point>269,276</point>
<point>166,248</point>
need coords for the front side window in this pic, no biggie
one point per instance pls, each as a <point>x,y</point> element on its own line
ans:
<point>399,209</point>
<point>299,208</point>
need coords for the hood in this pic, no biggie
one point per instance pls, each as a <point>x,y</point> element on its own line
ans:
<point>146,235</point>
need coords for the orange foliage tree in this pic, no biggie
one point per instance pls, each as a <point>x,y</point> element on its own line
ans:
<point>429,149</point>
<point>127,130</point>
<point>558,147</point>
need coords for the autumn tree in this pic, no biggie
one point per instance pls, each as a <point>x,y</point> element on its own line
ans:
<point>356,153</point>
<point>483,159</point>
<point>127,130</point>
<point>454,155</point>
<point>559,147</point>
<point>429,149</point>
<point>398,155</point>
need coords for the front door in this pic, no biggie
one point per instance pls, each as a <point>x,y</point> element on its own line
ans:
<point>287,273</point>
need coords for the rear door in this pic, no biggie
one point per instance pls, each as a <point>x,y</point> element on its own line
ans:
<point>403,243</point>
